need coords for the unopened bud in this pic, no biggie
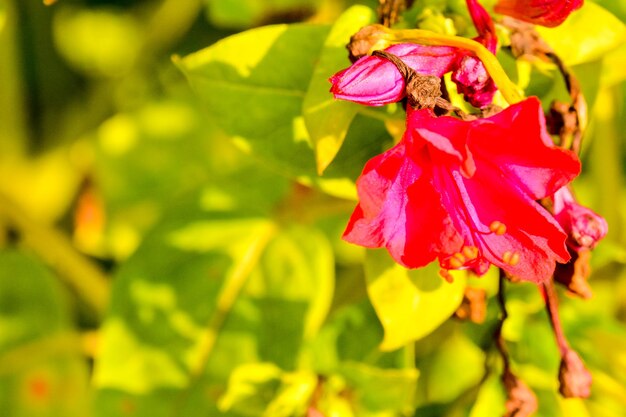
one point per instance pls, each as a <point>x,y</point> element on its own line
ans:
<point>584,227</point>
<point>574,378</point>
<point>366,40</point>
<point>521,401</point>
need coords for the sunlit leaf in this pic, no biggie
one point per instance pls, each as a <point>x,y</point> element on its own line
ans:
<point>97,42</point>
<point>409,303</point>
<point>586,35</point>
<point>455,366</point>
<point>204,294</point>
<point>490,399</point>
<point>378,390</point>
<point>237,82</point>
<point>263,389</point>
<point>327,119</point>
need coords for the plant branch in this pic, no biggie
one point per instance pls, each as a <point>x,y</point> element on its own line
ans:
<point>550,297</point>
<point>56,251</point>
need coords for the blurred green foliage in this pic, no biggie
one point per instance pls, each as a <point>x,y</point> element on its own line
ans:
<point>174,182</point>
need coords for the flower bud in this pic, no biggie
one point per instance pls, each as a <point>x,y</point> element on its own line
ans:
<point>473,81</point>
<point>375,81</point>
<point>574,378</point>
<point>521,401</point>
<point>583,226</point>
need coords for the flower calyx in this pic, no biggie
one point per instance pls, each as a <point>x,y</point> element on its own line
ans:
<point>422,91</point>
<point>368,38</point>
<point>575,380</point>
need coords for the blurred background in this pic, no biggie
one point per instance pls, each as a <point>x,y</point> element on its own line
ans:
<point>124,206</point>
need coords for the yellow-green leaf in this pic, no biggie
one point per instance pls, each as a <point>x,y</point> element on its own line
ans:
<point>586,35</point>
<point>409,303</point>
<point>327,119</point>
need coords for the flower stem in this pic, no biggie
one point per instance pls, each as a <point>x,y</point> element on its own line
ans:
<point>549,294</point>
<point>55,250</point>
<point>499,340</point>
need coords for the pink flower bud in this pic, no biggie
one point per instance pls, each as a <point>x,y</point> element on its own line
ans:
<point>583,226</point>
<point>574,378</point>
<point>376,81</point>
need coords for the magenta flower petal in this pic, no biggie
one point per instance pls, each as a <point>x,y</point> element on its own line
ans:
<point>484,25</point>
<point>526,154</point>
<point>456,191</point>
<point>376,81</point>
<point>547,13</point>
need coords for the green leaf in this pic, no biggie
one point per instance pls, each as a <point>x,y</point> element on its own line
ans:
<point>327,119</point>
<point>490,400</point>
<point>254,85</point>
<point>410,303</point>
<point>206,292</point>
<point>2,15</point>
<point>377,390</point>
<point>240,14</point>
<point>41,365</point>
<point>97,42</point>
<point>263,389</point>
<point>456,365</point>
<point>586,35</point>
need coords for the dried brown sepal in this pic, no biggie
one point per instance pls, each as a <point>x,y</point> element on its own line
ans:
<point>562,119</point>
<point>422,91</point>
<point>574,378</point>
<point>474,305</point>
<point>390,10</point>
<point>525,40</point>
<point>366,40</point>
<point>574,274</point>
<point>521,400</point>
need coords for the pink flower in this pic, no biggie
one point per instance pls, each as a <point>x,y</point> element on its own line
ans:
<point>376,81</point>
<point>471,77</point>
<point>583,226</point>
<point>464,193</point>
<point>548,13</point>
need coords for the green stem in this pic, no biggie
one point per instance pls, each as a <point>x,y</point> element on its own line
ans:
<point>233,284</point>
<point>56,250</point>
<point>425,37</point>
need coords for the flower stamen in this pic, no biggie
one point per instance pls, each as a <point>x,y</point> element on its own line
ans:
<point>445,274</point>
<point>470,252</point>
<point>510,258</point>
<point>498,228</point>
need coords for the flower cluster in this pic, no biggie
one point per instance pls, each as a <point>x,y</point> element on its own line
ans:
<point>464,192</point>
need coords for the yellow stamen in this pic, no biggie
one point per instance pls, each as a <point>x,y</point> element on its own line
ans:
<point>498,228</point>
<point>460,257</point>
<point>455,262</point>
<point>445,274</point>
<point>470,252</point>
<point>506,257</point>
<point>511,258</point>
